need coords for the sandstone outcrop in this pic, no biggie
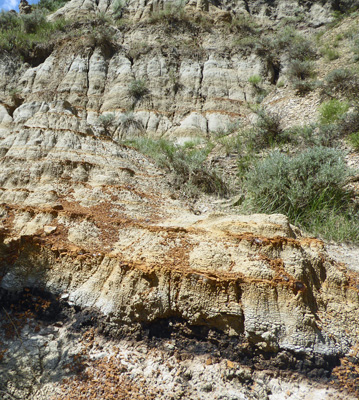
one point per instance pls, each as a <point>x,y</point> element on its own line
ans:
<point>96,226</point>
<point>119,243</point>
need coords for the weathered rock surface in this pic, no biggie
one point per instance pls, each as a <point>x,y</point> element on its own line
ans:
<point>119,243</point>
<point>97,224</point>
<point>196,77</point>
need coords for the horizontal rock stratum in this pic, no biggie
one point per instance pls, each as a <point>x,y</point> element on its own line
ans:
<point>106,268</point>
<point>95,221</point>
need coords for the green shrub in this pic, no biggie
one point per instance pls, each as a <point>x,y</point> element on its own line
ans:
<point>171,12</point>
<point>301,186</point>
<point>33,22</point>
<point>329,53</point>
<point>349,122</point>
<point>355,48</point>
<point>294,44</point>
<point>330,111</point>
<point>137,89</point>
<point>255,80</point>
<point>298,69</point>
<point>301,136</point>
<point>266,131</point>
<point>246,25</point>
<point>187,163</point>
<point>106,120</point>
<point>130,125</point>
<point>343,81</point>
<point>117,8</point>
<point>20,34</point>
<point>303,87</point>
<point>50,5</point>
<point>354,140</point>
<point>246,43</point>
<point>9,21</point>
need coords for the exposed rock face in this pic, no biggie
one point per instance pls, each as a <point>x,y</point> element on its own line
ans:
<point>196,79</point>
<point>24,7</point>
<point>119,243</point>
<point>97,224</point>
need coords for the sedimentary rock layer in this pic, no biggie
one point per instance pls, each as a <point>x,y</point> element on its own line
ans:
<point>96,222</point>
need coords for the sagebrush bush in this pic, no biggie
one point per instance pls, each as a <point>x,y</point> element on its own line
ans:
<point>343,81</point>
<point>20,34</point>
<point>330,53</point>
<point>294,44</point>
<point>299,69</point>
<point>106,120</point>
<point>245,24</point>
<point>117,8</point>
<point>303,87</point>
<point>130,125</point>
<point>255,80</point>
<point>349,123</point>
<point>266,131</point>
<point>9,21</point>
<point>187,163</point>
<point>171,12</point>
<point>299,186</point>
<point>33,22</point>
<point>137,89</point>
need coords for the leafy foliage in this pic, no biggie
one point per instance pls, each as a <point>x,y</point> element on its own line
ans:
<point>117,7</point>
<point>342,81</point>
<point>354,140</point>
<point>51,5</point>
<point>137,89</point>
<point>302,187</point>
<point>301,69</point>
<point>20,34</point>
<point>187,163</point>
<point>330,111</point>
<point>266,131</point>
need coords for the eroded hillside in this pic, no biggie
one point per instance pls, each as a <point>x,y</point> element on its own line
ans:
<point>119,277</point>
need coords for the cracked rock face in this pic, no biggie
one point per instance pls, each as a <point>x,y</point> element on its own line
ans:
<point>92,219</point>
<point>195,80</point>
<point>97,225</point>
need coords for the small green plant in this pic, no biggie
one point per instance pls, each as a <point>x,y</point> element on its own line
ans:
<point>117,8</point>
<point>343,81</point>
<point>330,111</point>
<point>302,87</point>
<point>301,70</point>
<point>349,122</point>
<point>354,140</point>
<point>187,164</point>
<point>246,25</point>
<point>329,53</point>
<point>130,125</point>
<point>32,22</point>
<point>266,131</point>
<point>171,12</point>
<point>106,121</point>
<point>21,34</point>
<point>355,47</point>
<point>255,80</point>
<point>295,45</point>
<point>137,89</point>
<point>50,5</point>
